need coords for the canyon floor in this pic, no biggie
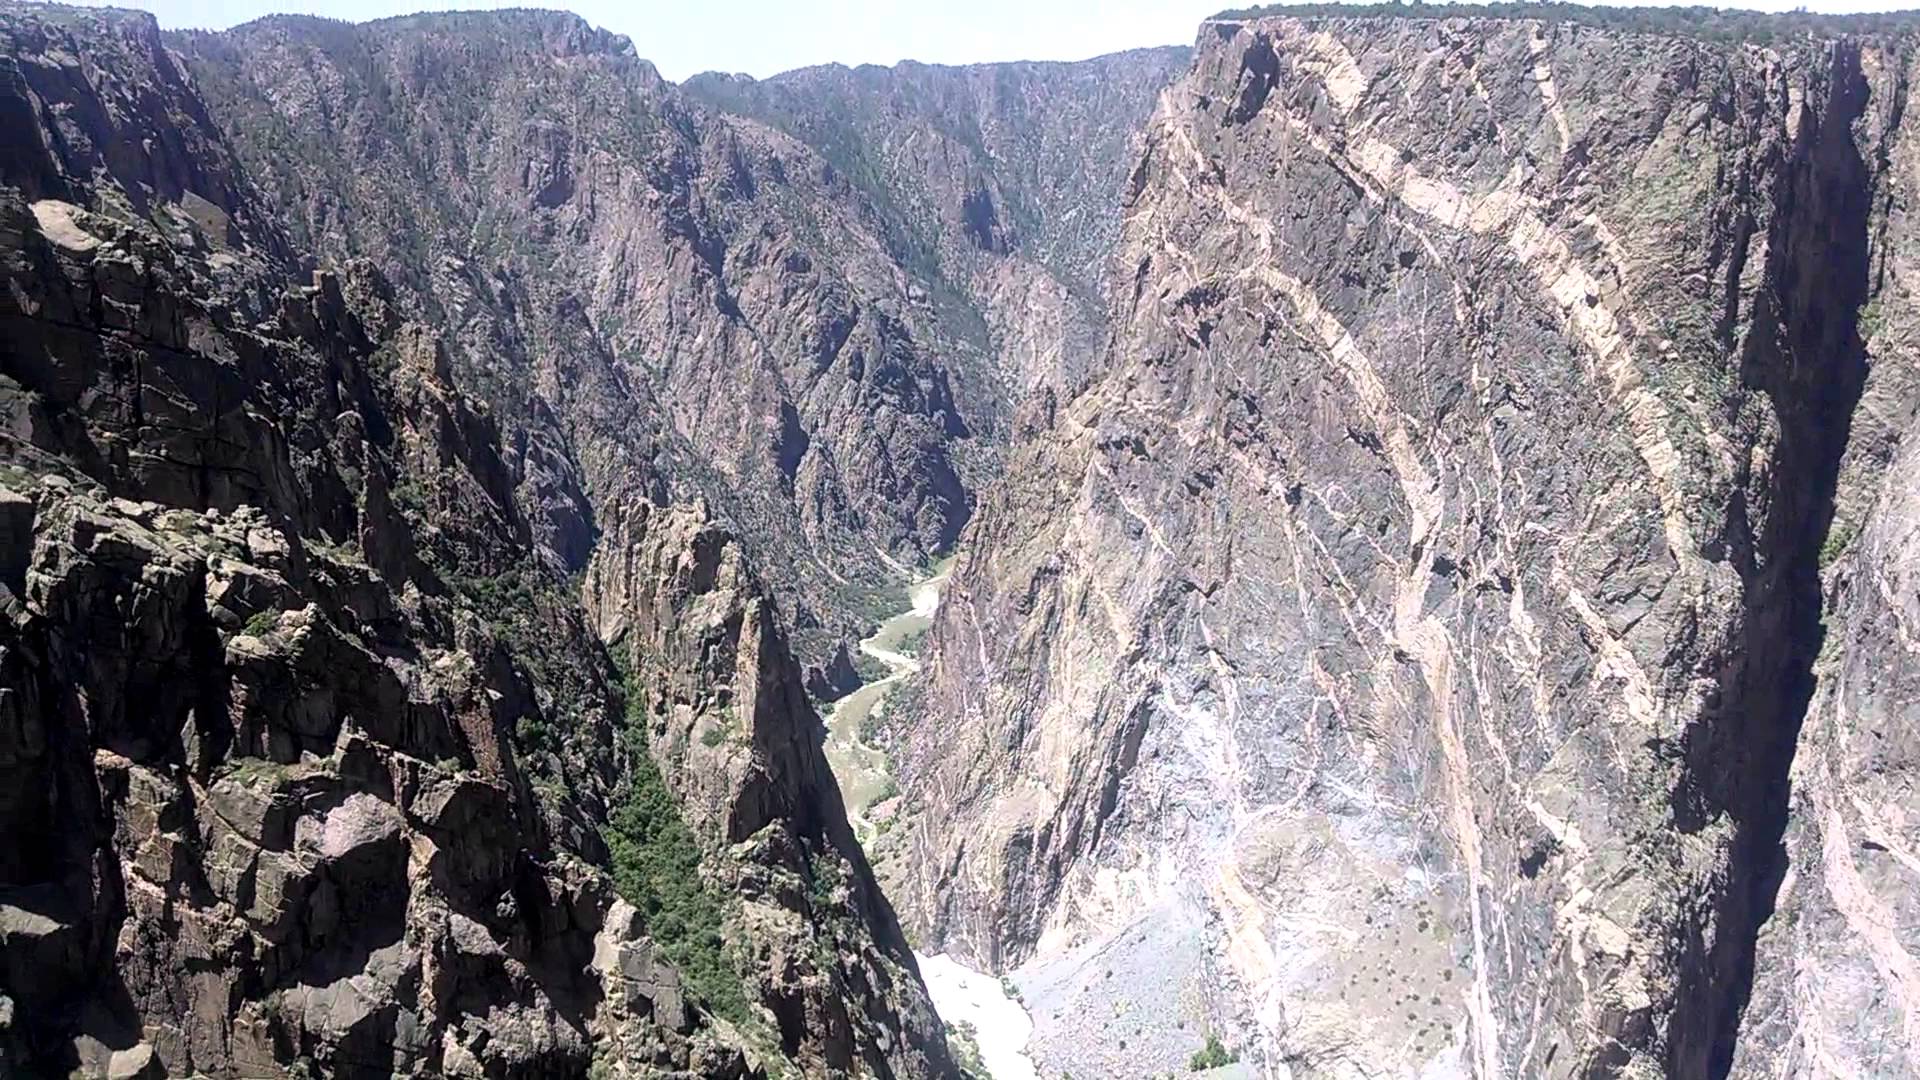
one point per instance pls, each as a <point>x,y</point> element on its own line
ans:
<point>962,995</point>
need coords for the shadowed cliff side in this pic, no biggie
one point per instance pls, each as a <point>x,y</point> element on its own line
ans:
<point>681,284</point>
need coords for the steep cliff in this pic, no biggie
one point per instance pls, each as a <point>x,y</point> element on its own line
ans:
<point>641,280</point>
<point>1394,659</point>
<point>1834,989</point>
<point>1440,598</point>
<point>313,758</point>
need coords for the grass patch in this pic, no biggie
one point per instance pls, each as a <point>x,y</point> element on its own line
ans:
<point>343,551</point>
<point>249,771</point>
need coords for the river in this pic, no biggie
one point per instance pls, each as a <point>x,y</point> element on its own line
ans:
<point>960,994</point>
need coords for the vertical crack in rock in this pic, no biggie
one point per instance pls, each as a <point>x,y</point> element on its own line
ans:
<point>1805,352</point>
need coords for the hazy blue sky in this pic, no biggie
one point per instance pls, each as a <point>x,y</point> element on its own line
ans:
<point>761,37</point>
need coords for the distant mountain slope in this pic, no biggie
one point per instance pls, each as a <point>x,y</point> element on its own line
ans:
<point>661,296</point>
<point>1003,180</point>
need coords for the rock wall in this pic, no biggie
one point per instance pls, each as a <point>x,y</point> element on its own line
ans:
<point>1833,974</point>
<point>310,749</point>
<point>1456,624</point>
<point>1403,643</point>
<point>1002,179</point>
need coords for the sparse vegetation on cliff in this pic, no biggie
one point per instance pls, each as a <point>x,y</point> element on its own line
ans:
<point>963,1042</point>
<point>656,868</point>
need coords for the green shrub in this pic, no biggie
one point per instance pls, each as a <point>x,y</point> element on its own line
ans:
<point>656,868</point>
<point>963,1043</point>
<point>1839,535</point>
<point>409,495</point>
<point>878,602</point>
<point>912,641</point>
<point>1212,1056</point>
<point>870,668</point>
<point>1872,315</point>
<point>532,733</point>
<point>262,623</point>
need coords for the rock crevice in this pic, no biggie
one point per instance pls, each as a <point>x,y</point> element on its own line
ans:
<point>1802,347</point>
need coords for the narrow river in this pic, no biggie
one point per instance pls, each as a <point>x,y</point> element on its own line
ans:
<point>961,995</point>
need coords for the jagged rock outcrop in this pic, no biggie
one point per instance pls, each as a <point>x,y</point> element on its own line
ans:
<point>289,823</point>
<point>1397,654</point>
<point>728,721</point>
<point>313,760</point>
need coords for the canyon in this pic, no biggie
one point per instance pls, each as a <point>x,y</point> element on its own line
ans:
<point>1380,544</point>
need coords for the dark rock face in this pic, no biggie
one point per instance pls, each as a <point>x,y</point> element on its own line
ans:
<point>1405,639</point>
<point>1832,975</point>
<point>307,741</point>
<point>284,783</point>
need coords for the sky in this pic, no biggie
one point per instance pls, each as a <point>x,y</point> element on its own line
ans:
<point>763,37</point>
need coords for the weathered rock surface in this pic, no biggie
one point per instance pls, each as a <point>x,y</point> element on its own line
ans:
<point>1395,657</point>
<point>1834,989</point>
<point>308,746</point>
<point>999,182</point>
<point>729,723</point>
<point>1440,601</point>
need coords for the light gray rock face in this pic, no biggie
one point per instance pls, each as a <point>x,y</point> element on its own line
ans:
<point>1407,633</point>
